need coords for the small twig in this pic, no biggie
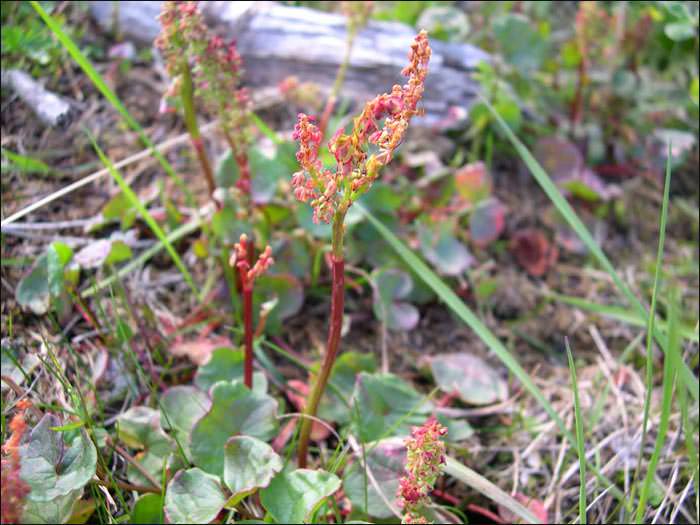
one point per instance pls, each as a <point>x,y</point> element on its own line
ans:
<point>129,458</point>
<point>358,452</point>
<point>21,394</point>
<point>127,486</point>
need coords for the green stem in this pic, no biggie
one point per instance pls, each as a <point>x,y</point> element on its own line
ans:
<point>334,330</point>
<point>187,95</point>
<point>337,84</point>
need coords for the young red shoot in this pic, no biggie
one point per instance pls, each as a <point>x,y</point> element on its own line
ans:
<point>241,259</point>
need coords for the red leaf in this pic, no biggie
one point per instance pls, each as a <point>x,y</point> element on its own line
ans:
<point>533,251</point>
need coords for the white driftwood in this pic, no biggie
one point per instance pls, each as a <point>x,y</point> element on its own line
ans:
<point>51,109</point>
<point>277,41</point>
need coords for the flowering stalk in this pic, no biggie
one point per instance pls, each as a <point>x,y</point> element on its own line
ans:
<point>425,457</point>
<point>358,14</point>
<point>242,259</point>
<point>182,28</point>
<point>331,193</point>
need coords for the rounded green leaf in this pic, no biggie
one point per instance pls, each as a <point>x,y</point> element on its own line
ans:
<point>487,222</point>
<point>33,289</point>
<point>57,510</point>
<point>193,496</point>
<point>235,410</point>
<point>343,376</point>
<point>447,254</point>
<point>248,464</point>
<point>471,377</point>
<point>53,468</point>
<point>292,497</point>
<point>391,285</point>
<point>520,42</point>
<point>289,293</point>
<point>382,401</point>
<point>139,427</point>
<point>147,509</point>
<point>225,364</point>
<point>386,462</point>
<point>182,406</point>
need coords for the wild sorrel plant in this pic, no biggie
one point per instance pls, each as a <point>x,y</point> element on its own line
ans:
<point>183,35</point>
<point>207,69</point>
<point>241,259</point>
<point>425,459</point>
<point>359,157</point>
<point>358,14</point>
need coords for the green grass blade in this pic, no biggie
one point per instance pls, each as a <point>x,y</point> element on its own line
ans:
<point>175,235</point>
<point>152,224</point>
<point>623,314</point>
<point>465,314</point>
<point>265,129</point>
<point>649,376</point>
<point>550,189</point>
<point>671,361</point>
<point>101,85</point>
<point>473,479</point>
<point>580,445</point>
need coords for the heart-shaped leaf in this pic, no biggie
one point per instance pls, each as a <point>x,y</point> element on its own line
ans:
<point>382,401</point>
<point>386,463</point>
<point>392,285</point>
<point>235,410</point>
<point>471,377</point>
<point>193,496</point>
<point>249,464</point>
<point>52,468</point>
<point>292,497</point>
<point>559,157</point>
<point>487,222</point>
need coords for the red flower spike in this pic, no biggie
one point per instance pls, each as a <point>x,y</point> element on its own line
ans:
<point>239,259</point>
<point>356,170</point>
<point>425,455</point>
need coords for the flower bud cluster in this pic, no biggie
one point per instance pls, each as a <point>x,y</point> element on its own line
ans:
<point>181,25</point>
<point>217,67</point>
<point>356,168</point>
<point>240,260</point>
<point>425,457</point>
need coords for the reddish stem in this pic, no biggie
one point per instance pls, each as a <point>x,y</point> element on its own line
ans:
<point>334,330</point>
<point>248,335</point>
<point>326,115</point>
<point>484,512</point>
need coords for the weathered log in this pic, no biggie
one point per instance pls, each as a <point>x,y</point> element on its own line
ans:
<point>51,109</point>
<point>277,41</point>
